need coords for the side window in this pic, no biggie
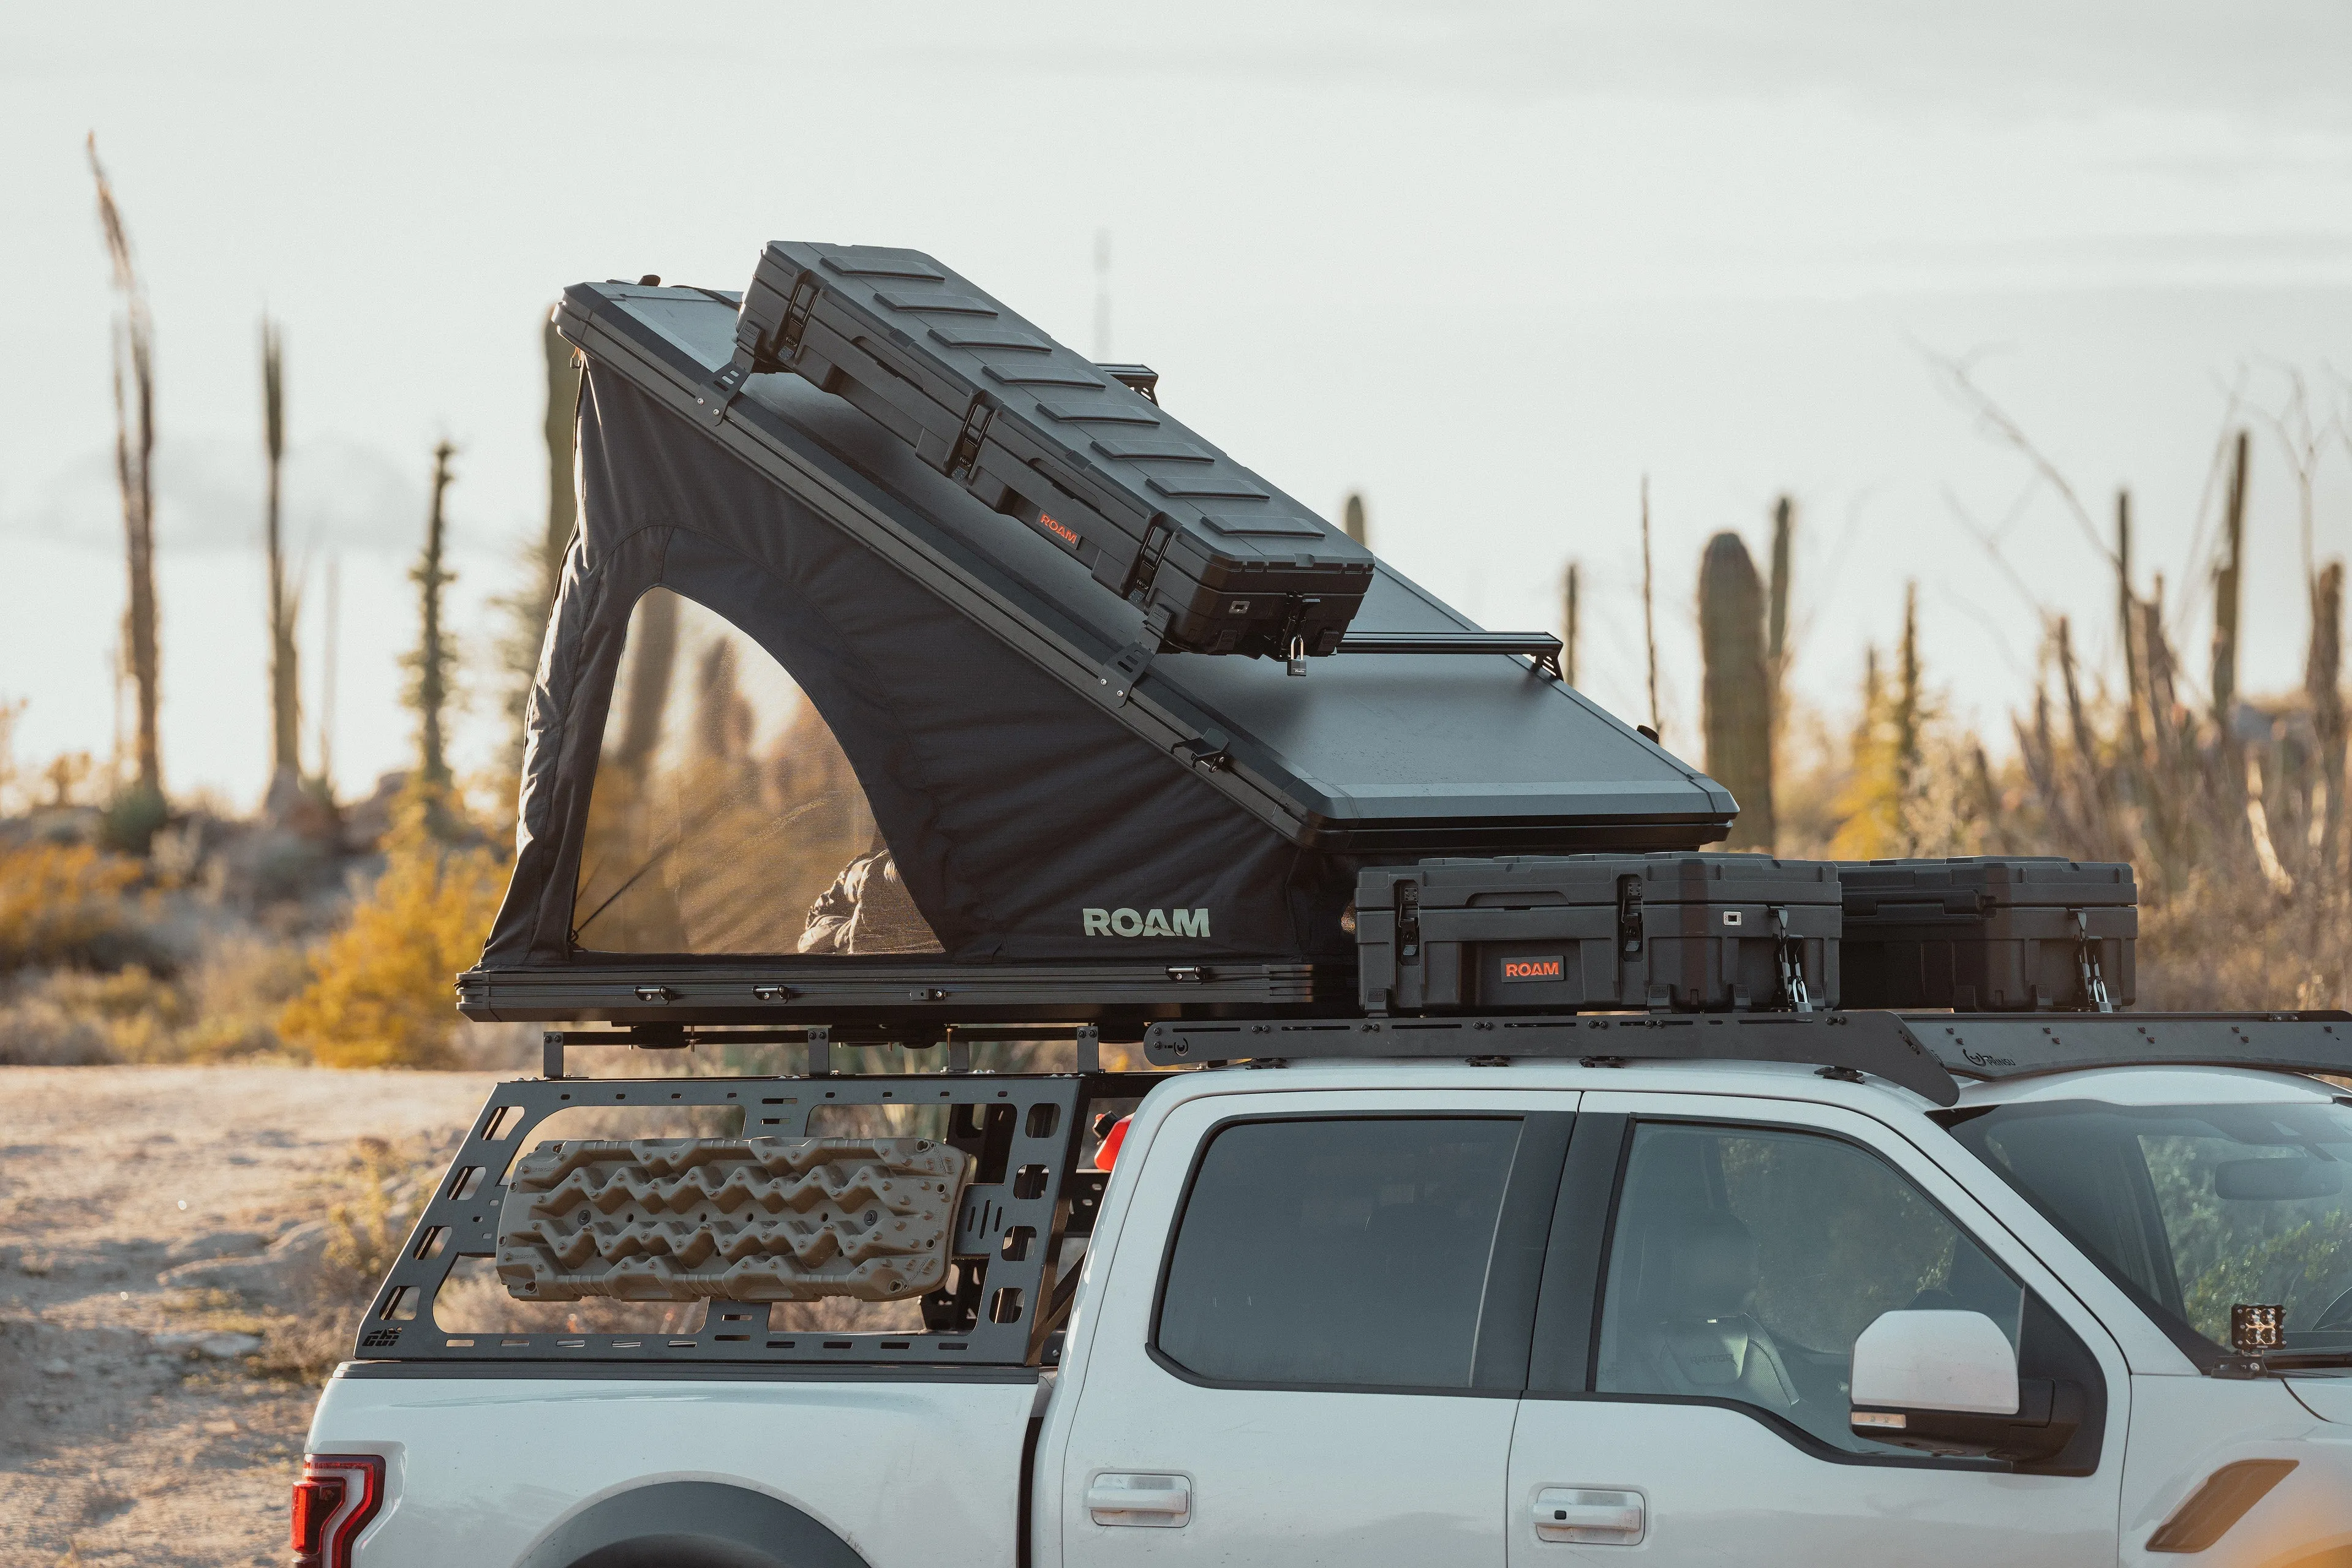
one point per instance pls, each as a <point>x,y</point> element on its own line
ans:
<point>725,818</point>
<point>1336,1252</point>
<point>1744,1262</point>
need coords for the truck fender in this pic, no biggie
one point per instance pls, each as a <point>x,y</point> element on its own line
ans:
<point>691,1524</point>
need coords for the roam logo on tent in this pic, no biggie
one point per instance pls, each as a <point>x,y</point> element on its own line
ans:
<point>1145,923</point>
<point>1532,969</point>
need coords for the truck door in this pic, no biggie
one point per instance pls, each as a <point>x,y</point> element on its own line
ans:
<point>1713,1262</point>
<point>1310,1339</point>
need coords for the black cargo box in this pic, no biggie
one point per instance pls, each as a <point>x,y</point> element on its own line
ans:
<point>1556,933</point>
<point>2020,935</point>
<point>1218,560</point>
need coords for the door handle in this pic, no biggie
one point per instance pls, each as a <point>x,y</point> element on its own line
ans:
<point>1589,1516</point>
<point>1150,1501</point>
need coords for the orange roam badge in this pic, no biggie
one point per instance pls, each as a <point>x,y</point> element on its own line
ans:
<point>1060,530</point>
<point>1532,969</point>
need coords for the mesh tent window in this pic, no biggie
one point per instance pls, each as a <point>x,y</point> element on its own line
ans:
<point>724,816</point>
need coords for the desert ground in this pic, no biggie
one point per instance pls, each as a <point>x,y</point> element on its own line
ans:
<point>164,1231</point>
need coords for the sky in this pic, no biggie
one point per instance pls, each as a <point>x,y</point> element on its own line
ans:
<point>1494,264</point>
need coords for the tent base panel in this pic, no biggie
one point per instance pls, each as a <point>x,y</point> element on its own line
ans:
<point>928,993</point>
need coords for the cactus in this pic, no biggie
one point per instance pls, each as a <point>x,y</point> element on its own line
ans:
<point>2322,674</point>
<point>1776,620</point>
<point>1352,520</point>
<point>2225,594</point>
<point>284,689</point>
<point>433,656</point>
<point>134,454</point>
<point>1568,624</point>
<point>1736,697</point>
<point>1650,618</point>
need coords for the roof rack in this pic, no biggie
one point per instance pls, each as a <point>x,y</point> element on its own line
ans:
<point>1839,1044</point>
<point>2022,1045</point>
<point>820,1039</point>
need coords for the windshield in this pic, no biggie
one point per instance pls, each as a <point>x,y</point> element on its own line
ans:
<point>2195,1209</point>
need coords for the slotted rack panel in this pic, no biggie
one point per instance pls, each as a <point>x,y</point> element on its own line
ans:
<point>1023,1133</point>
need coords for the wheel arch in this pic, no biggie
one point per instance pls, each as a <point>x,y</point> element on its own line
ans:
<point>691,1524</point>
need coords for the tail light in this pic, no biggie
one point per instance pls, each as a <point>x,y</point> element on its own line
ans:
<point>333,1501</point>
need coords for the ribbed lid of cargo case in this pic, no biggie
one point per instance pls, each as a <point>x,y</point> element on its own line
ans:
<point>2014,879</point>
<point>1665,879</point>
<point>1368,753</point>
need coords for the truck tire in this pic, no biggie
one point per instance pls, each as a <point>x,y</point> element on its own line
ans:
<point>691,1524</point>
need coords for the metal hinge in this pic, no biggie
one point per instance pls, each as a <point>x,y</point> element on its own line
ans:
<point>1123,671</point>
<point>718,393</point>
<point>1790,953</point>
<point>1209,750</point>
<point>2086,965</point>
<point>1407,926</point>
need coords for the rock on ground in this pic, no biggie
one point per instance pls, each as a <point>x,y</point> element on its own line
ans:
<point>129,1435</point>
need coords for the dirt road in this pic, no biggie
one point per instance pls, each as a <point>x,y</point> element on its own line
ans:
<point>138,1423</point>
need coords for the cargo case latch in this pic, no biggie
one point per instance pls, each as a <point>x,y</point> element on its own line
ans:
<point>2086,966</point>
<point>1789,952</point>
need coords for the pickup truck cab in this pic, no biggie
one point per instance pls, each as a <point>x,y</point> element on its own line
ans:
<point>1398,1311</point>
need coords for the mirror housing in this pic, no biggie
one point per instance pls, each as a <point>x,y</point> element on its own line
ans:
<point>1945,1383</point>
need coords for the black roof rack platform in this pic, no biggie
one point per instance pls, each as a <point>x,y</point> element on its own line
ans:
<point>1875,1043</point>
<point>2020,1045</point>
<point>1926,1052</point>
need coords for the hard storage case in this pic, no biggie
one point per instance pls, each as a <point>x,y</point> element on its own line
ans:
<point>1219,560</point>
<point>2021,933</point>
<point>1686,932</point>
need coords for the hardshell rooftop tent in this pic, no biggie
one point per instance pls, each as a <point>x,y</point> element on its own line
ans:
<point>814,728</point>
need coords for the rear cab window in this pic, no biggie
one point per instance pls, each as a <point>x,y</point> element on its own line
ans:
<point>1336,1252</point>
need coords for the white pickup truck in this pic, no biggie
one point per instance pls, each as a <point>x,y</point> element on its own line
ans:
<point>1384,1309</point>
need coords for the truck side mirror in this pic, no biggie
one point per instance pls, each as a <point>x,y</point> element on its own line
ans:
<point>1947,1382</point>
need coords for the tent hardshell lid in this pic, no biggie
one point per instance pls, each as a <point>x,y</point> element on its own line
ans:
<point>971,674</point>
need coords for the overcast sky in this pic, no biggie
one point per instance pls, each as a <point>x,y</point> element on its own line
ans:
<point>1492,264</point>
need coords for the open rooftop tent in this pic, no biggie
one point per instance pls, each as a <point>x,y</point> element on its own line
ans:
<point>811,715</point>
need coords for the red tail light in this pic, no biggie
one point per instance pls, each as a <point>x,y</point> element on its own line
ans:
<point>333,1501</point>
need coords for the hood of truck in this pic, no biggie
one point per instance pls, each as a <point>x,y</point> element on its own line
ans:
<point>2329,1398</point>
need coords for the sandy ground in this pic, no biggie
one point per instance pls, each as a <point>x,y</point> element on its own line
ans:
<point>135,1426</point>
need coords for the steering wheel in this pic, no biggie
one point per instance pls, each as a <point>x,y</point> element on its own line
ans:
<point>2338,1314</point>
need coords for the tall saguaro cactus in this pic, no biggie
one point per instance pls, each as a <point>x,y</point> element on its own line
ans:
<point>1570,585</point>
<point>1353,520</point>
<point>433,656</point>
<point>1737,694</point>
<point>2226,594</point>
<point>284,689</point>
<point>135,453</point>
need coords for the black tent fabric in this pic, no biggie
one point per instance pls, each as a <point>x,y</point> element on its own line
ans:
<point>1015,796</point>
<point>1010,805</point>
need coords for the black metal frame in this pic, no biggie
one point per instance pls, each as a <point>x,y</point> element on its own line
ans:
<point>919,997</point>
<point>2022,1045</point>
<point>1925,1052</point>
<point>1842,1044</point>
<point>1542,648</point>
<point>1025,1133</point>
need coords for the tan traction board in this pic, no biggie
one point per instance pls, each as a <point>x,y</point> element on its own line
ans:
<point>735,1219</point>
